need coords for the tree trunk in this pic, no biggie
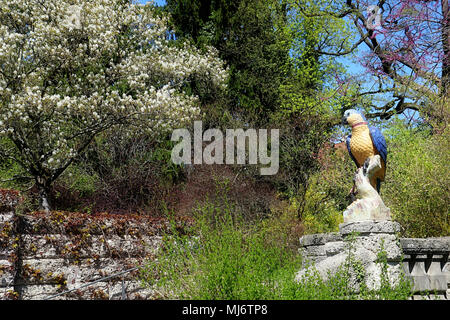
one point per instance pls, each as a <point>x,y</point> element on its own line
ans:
<point>44,190</point>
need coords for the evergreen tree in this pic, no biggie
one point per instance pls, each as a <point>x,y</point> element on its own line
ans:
<point>251,37</point>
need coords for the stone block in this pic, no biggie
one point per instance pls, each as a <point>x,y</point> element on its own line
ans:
<point>381,242</point>
<point>6,217</point>
<point>7,293</point>
<point>6,273</point>
<point>319,239</point>
<point>333,248</point>
<point>368,227</point>
<point>110,290</point>
<point>45,270</point>
<point>57,245</point>
<point>313,251</point>
<point>39,292</point>
<point>8,251</point>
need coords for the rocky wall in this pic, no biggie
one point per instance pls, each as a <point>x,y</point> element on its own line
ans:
<point>42,255</point>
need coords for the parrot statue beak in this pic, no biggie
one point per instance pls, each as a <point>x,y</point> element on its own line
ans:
<point>344,120</point>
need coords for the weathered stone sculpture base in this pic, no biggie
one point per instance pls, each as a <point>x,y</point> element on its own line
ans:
<point>370,207</point>
<point>328,252</point>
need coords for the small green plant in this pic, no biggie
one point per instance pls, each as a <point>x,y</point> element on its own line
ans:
<point>417,184</point>
<point>401,290</point>
<point>81,181</point>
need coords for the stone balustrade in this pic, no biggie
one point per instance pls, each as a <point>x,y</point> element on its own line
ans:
<point>425,261</point>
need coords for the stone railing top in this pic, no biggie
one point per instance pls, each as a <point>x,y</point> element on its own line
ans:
<point>439,245</point>
<point>366,227</point>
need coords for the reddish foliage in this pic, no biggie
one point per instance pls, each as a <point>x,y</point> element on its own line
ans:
<point>253,197</point>
<point>323,154</point>
<point>200,184</point>
<point>78,223</point>
<point>9,198</point>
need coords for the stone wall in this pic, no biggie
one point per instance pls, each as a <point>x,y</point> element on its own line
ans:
<point>425,261</point>
<point>45,254</point>
<point>8,243</point>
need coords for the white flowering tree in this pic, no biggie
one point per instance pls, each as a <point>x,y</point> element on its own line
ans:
<point>72,69</point>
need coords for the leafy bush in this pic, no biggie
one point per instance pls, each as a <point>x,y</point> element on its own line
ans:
<point>10,170</point>
<point>226,259</point>
<point>417,187</point>
<point>300,140</point>
<point>119,174</point>
<point>326,197</point>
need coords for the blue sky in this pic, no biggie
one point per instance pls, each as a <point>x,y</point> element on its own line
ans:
<point>158,2</point>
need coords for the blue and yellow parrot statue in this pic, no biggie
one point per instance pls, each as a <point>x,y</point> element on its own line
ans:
<point>364,142</point>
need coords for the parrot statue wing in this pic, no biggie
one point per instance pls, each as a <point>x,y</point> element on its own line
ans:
<point>347,142</point>
<point>379,142</point>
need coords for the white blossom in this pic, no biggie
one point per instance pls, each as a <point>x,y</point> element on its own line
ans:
<point>61,83</point>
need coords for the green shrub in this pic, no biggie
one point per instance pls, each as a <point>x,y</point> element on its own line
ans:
<point>12,175</point>
<point>227,259</point>
<point>417,187</point>
<point>322,210</point>
<point>80,180</point>
<point>326,196</point>
<point>119,173</point>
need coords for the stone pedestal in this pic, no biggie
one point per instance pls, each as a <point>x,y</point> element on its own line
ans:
<point>357,243</point>
<point>369,227</point>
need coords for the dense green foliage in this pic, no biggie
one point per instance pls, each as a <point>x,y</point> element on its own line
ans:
<point>417,188</point>
<point>251,37</point>
<point>221,262</point>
